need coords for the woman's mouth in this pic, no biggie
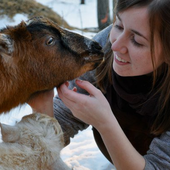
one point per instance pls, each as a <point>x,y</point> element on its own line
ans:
<point>120,59</point>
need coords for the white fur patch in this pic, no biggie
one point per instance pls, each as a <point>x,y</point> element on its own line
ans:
<point>8,42</point>
<point>6,48</point>
<point>28,22</point>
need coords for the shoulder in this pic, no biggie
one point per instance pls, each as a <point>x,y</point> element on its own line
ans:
<point>159,153</point>
<point>102,36</point>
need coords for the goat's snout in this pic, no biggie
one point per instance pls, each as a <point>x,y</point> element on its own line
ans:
<point>95,47</point>
<point>96,54</point>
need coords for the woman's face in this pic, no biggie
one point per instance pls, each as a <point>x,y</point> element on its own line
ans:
<point>130,39</point>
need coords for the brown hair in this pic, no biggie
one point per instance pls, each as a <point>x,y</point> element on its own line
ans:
<point>159,19</point>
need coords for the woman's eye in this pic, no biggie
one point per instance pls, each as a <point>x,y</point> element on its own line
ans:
<point>50,41</point>
<point>135,42</point>
<point>118,27</point>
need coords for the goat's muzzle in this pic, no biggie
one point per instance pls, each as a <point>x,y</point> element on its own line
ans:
<point>95,55</point>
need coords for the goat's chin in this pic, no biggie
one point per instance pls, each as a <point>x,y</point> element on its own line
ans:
<point>37,93</point>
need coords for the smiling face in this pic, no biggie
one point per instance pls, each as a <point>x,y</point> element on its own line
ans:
<point>130,39</point>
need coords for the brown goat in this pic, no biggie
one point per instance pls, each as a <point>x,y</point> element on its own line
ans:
<point>32,144</point>
<point>38,55</point>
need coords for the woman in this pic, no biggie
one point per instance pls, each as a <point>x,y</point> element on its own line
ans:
<point>130,114</point>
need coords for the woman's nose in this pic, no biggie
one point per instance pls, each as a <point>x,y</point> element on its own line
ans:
<point>119,44</point>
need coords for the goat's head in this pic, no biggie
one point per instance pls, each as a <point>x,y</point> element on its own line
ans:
<point>38,55</point>
<point>35,130</point>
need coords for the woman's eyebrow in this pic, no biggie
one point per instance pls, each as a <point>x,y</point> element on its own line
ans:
<point>134,31</point>
<point>138,33</point>
<point>117,15</point>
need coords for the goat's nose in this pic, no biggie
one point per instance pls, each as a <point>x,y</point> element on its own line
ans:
<point>94,46</point>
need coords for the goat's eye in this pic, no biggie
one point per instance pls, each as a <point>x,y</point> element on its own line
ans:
<point>50,41</point>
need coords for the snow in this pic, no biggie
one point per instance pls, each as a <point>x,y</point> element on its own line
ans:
<point>74,13</point>
<point>82,153</point>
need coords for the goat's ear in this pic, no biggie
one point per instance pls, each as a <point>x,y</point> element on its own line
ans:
<point>6,46</point>
<point>9,133</point>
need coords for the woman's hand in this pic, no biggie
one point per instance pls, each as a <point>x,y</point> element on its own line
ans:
<point>92,109</point>
<point>42,102</point>
<point>95,110</point>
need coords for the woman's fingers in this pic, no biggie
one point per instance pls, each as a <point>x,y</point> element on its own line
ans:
<point>89,108</point>
<point>92,90</point>
<point>71,98</point>
<point>65,93</point>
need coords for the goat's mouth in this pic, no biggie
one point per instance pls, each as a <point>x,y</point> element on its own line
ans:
<point>94,59</point>
<point>90,59</point>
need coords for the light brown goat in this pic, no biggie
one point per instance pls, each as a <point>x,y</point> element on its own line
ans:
<point>38,55</point>
<point>32,144</point>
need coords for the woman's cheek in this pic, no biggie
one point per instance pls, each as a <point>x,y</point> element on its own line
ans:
<point>111,37</point>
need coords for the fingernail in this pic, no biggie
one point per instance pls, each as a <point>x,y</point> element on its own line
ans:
<point>79,81</point>
<point>66,83</point>
<point>74,89</point>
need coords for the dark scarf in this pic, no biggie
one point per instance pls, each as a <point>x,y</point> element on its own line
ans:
<point>136,92</point>
<point>135,107</point>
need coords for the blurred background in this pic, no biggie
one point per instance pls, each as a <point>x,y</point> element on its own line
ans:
<point>58,11</point>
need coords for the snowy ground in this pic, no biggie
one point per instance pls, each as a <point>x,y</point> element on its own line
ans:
<point>82,153</point>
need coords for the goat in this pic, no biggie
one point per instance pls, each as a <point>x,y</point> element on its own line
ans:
<point>32,144</point>
<point>38,55</point>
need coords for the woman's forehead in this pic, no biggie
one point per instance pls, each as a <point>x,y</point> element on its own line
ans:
<point>136,19</point>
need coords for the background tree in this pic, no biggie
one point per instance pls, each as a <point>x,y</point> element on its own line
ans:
<point>82,1</point>
<point>103,13</point>
<point>114,4</point>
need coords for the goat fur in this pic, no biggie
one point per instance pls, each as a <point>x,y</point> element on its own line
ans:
<point>32,144</point>
<point>38,55</point>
